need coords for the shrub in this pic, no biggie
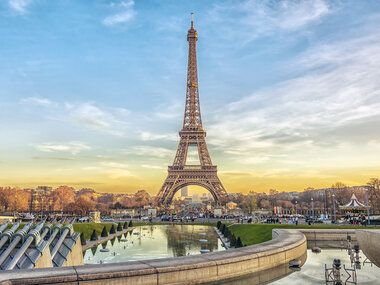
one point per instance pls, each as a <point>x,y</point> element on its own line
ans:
<point>82,239</point>
<point>112,230</point>
<point>218,224</point>
<point>227,232</point>
<point>238,243</point>
<point>125,226</point>
<point>232,240</point>
<point>223,229</point>
<point>130,224</point>
<point>119,227</point>
<point>94,235</point>
<point>104,232</point>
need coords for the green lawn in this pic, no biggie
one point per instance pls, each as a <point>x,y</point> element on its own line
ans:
<point>258,233</point>
<point>175,223</point>
<point>87,228</point>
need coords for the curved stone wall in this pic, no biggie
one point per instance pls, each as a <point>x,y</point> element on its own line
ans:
<point>285,246</point>
<point>369,243</point>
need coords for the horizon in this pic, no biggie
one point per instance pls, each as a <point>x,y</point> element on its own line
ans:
<point>93,94</point>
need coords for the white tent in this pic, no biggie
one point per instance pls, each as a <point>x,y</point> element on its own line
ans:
<point>354,204</point>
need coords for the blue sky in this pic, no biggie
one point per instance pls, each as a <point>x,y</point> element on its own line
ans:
<point>92,92</point>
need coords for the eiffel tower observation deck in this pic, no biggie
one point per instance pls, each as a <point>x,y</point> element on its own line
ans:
<point>192,134</point>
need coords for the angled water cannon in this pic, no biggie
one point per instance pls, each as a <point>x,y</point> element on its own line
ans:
<point>16,238</point>
<point>33,236</point>
<point>4,226</point>
<point>67,230</point>
<point>7,235</point>
<point>48,228</point>
<point>56,229</point>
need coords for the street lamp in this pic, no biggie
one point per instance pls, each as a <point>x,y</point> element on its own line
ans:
<point>366,196</point>
<point>296,208</point>
<point>333,195</point>
<point>15,207</point>
<point>312,208</point>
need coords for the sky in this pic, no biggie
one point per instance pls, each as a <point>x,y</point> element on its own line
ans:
<point>92,93</point>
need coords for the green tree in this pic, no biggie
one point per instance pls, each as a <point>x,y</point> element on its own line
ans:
<point>119,227</point>
<point>94,235</point>
<point>218,224</point>
<point>82,239</point>
<point>112,230</point>
<point>104,232</point>
<point>227,232</point>
<point>125,226</point>
<point>232,240</point>
<point>130,224</point>
<point>223,229</point>
<point>238,243</point>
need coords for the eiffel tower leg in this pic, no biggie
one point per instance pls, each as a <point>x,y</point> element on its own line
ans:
<point>164,191</point>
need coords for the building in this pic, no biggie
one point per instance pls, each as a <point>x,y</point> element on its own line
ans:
<point>231,206</point>
<point>95,217</point>
<point>195,198</point>
<point>40,200</point>
<point>184,191</point>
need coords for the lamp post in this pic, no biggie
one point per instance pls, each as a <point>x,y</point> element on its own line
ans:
<point>333,195</point>
<point>366,196</point>
<point>296,208</point>
<point>15,207</point>
<point>312,208</point>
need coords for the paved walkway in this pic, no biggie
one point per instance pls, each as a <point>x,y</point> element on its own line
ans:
<point>91,243</point>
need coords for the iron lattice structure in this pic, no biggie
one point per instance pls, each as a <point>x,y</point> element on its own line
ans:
<point>192,134</point>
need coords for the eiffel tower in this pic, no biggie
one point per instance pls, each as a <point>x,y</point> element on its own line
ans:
<point>192,134</point>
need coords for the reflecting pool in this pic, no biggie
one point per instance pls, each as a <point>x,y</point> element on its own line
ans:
<point>158,241</point>
<point>311,272</point>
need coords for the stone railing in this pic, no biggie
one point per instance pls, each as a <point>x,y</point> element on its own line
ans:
<point>285,246</point>
<point>328,238</point>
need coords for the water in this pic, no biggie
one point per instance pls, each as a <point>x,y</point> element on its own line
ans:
<point>158,241</point>
<point>312,272</point>
<point>162,241</point>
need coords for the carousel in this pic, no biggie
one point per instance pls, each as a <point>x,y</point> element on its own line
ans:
<point>354,206</point>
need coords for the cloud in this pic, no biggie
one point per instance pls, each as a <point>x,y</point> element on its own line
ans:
<point>19,6</point>
<point>148,136</point>
<point>114,164</point>
<point>125,13</point>
<point>105,120</point>
<point>71,147</point>
<point>334,93</point>
<point>170,110</point>
<point>153,166</point>
<point>151,151</point>
<point>89,114</point>
<point>118,173</point>
<point>251,19</point>
<point>36,101</point>
<point>52,158</point>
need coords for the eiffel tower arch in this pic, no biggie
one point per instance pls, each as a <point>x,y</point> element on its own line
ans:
<point>192,134</point>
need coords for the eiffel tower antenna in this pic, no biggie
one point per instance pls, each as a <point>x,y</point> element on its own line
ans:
<point>192,134</point>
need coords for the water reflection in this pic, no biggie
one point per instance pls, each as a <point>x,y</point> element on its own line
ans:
<point>182,239</point>
<point>160,241</point>
<point>263,277</point>
<point>312,271</point>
